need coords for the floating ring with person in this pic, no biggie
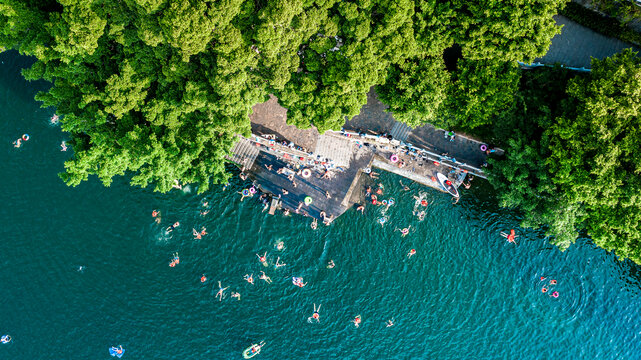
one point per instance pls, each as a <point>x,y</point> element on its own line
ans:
<point>382,220</point>
<point>252,190</point>
<point>308,200</point>
<point>390,201</point>
<point>245,192</point>
<point>306,173</point>
<point>5,339</point>
<point>394,158</point>
<point>483,147</point>
<point>384,202</point>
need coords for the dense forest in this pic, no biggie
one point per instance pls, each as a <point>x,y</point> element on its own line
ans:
<point>158,89</point>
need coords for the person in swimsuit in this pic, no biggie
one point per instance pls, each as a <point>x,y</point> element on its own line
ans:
<point>314,224</point>
<point>552,282</point>
<point>221,291</point>
<point>357,321</point>
<point>203,278</point>
<point>264,276</point>
<point>411,253</point>
<point>235,295</point>
<point>315,315</point>
<point>390,322</point>
<point>197,235</point>
<point>331,264</point>
<point>63,146</point>
<point>361,208</point>
<point>171,227</point>
<point>249,278</point>
<point>17,143</point>
<point>263,259</point>
<point>278,264</point>
<point>405,231</point>
<point>405,188</point>
<point>54,119</point>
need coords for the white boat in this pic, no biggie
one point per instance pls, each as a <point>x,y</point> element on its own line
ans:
<point>442,179</point>
<point>253,350</point>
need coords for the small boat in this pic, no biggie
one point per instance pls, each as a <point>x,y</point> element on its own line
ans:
<point>253,350</point>
<point>442,179</point>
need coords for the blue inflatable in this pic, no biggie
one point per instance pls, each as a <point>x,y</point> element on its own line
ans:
<point>116,351</point>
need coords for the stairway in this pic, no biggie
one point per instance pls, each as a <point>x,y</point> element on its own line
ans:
<point>400,131</point>
<point>244,153</point>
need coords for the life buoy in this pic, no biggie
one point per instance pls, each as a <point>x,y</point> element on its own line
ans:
<point>436,163</point>
<point>252,190</point>
<point>306,173</point>
<point>394,158</point>
<point>483,147</point>
<point>384,202</point>
<point>368,170</point>
<point>245,192</point>
<point>308,200</point>
<point>25,137</point>
<point>391,201</point>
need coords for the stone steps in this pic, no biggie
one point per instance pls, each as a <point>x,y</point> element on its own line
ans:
<point>244,153</point>
<point>400,131</point>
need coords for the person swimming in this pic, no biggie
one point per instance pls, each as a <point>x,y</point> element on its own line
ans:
<point>277,265</point>
<point>280,246</point>
<point>203,278</point>
<point>390,323</point>
<point>263,259</point>
<point>54,119</point>
<point>361,208</point>
<point>235,295</point>
<point>314,224</point>
<point>405,231</point>
<point>17,143</point>
<point>171,227</point>
<point>249,278</point>
<point>552,282</point>
<point>264,276</point>
<point>175,261</point>
<point>5,339</point>
<point>357,321</point>
<point>221,291</point>
<point>298,281</point>
<point>315,315</point>
<point>411,253</point>
<point>331,264</point>
<point>63,146</point>
<point>197,235</point>
<point>405,187</point>
<point>544,289</point>
<point>511,237</point>
<point>81,268</point>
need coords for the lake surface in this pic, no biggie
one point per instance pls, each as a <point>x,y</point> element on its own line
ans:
<point>466,294</point>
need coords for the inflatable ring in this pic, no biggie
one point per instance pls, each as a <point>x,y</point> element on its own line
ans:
<point>308,200</point>
<point>306,173</point>
<point>245,192</point>
<point>368,170</point>
<point>394,158</point>
<point>6,339</point>
<point>483,147</point>
<point>25,137</point>
<point>391,201</point>
<point>252,190</point>
<point>384,202</point>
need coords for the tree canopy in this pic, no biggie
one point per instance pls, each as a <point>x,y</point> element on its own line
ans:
<point>576,165</point>
<point>158,89</point>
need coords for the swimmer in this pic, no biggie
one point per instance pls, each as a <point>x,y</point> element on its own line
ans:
<point>543,278</point>
<point>544,289</point>
<point>155,213</point>
<point>269,167</point>
<point>175,261</point>
<point>280,246</point>
<point>235,295</point>
<point>54,119</point>
<point>171,228</point>
<point>277,265</point>
<point>203,278</point>
<point>286,212</point>
<point>225,186</point>
<point>323,214</point>
<point>204,212</point>
<point>63,146</point>
<point>203,231</point>
<point>314,224</point>
<point>405,187</point>
<point>243,196</point>
<point>264,276</point>
<point>17,143</point>
<point>405,231</point>
<point>243,176</point>
<point>421,215</point>
<point>328,220</point>
<point>368,192</point>
<point>294,183</point>
<point>315,315</point>
<point>81,268</point>
<point>221,291</point>
<point>249,278</point>
<point>265,207</point>
<point>552,282</point>
<point>285,192</point>
<point>331,264</point>
<point>379,191</point>
<point>411,253</point>
<point>357,321</point>
<point>361,208</point>
<point>300,205</point>
<point>197,235</point>
<point>327,195</point>
<point>177,185</point>
<point>555,294</point>
<point>511,237</point>
<point>390,323</point>
<point>467,185</point>
<point>263,259</point>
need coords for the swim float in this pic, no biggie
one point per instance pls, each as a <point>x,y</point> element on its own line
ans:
<point>252,190</point>
<point>394,158</point>
<point>483,147</point>
<point>308,200</point>
<point>25,137</point>
<point>306,173</point>
<point>245,192</point>
<point>5,339</point>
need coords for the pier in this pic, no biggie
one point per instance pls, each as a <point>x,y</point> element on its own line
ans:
<point>332,170</point>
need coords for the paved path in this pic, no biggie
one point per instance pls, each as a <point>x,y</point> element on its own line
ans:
<point>577,43</point>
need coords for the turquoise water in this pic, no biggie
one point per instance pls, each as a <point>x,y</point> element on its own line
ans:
<point>466,294</point>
